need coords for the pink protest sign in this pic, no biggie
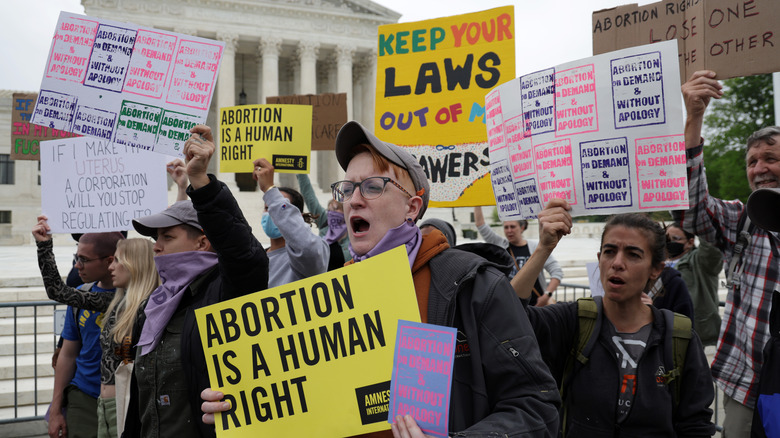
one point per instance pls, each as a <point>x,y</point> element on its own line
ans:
<point>422,375</point>
<point>602,133</point>
<point>125,83</point>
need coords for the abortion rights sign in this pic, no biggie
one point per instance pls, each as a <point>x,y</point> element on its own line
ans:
<point>604,133</point>
<point>313,357</point>
<point>733,38</point>
<point>432,77</point>
<point>125,83</point>
<point>279,133</point>
<point>26,138</point>
<point>89,185</point>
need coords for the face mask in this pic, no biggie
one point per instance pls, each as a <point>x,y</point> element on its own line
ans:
<point>674,248</point>
<point>270,228</point>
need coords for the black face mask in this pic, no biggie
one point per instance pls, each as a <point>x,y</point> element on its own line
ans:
<point>674,248</point>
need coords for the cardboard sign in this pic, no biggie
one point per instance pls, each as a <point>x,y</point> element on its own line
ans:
<point>604,133</point>
<point>26,138</point>
<point>733,38</point>
<point>432,77</point>
<point>89,185</point>
<point>130,84</point>
<point>422,375</point>
<point>313,357</point>
<point>329,114</point>
<point>279,133</point>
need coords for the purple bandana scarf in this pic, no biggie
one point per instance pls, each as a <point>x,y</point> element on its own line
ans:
<point>337,227</point>
<point>176,271</point>
<point>407,233</point>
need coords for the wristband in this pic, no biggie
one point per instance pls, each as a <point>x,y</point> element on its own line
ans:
<point>549,293</point>
<point>269,188</point>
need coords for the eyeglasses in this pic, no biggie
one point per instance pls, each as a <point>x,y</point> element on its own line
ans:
<point>77,259</point>
<point>370,188</point>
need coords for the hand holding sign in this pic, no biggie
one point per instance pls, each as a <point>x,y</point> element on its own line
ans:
<point>197,152</point>
<point>697,92</point>
<point>406,427</point>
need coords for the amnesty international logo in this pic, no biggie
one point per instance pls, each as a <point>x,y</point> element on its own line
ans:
<point>373,402</point>
<point>289,162</point>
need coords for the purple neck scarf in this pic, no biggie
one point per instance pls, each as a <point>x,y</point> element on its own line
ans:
<point>337,227</point>
<point>407,233</point>
<point>176,271</point>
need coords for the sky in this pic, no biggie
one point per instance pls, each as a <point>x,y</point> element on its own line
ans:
<point>547,33</point>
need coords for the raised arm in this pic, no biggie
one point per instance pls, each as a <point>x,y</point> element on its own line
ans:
<point>178,172</point>
<point>697,92</point>
<point>55,288</point>
<point>554,223</point>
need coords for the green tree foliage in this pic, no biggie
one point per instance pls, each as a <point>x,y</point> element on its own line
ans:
<point>746,106</point>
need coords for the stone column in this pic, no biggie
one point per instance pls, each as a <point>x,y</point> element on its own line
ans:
<point>306,53</point>
<point>344,55</point>
<point>368,98</point>
<point>260,97</point>
<point>226,94</point>
<point>270,48</point>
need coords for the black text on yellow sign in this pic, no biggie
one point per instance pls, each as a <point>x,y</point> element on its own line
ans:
<point>249,132</point>
<point>284,357</point>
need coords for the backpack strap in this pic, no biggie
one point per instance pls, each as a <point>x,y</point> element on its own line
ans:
<point>675,349</point>
<point>588,316</point>
<point>75,310</point>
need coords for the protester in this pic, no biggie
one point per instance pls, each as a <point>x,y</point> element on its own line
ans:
<point>494,391</point>
<point>699,267</point>
<point>445,227</point>
<point>77,373</point>
<point>205,254</point>
<point>295,252</point>
<point>752,269</point>
<point>622,380</point>
<point>669,292</point>
<point>493,253</point>
<point>331,223</point>
<point>763,207</point>
<point>520,249</point>
<point>133,273</point>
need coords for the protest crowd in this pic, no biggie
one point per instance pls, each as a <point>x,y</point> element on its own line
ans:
<point>137,356</point>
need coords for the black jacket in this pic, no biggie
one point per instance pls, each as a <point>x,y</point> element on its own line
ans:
<point>592,397</point>
<point>242,269</point>
<point>500,385</point>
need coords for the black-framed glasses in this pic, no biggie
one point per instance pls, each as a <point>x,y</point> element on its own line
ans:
<point>77,259</point>
<point>370,188</point>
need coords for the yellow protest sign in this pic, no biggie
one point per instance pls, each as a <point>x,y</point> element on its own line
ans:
<point>279,133</point>
<point>432,78</point>
<point>313,357</point>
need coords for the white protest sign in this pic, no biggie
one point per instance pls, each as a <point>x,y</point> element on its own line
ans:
<point>604,133</point>
<point>126,83</point>
<point>90,185</point>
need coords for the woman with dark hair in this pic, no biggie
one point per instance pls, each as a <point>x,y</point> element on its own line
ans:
<point>623,382</point>
<point>295,252</point>
<point>699,267</point>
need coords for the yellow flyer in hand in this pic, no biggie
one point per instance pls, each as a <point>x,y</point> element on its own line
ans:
<point>313,357</point>
<point>279,133</point>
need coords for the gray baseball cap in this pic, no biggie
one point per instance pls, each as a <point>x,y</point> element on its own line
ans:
<point>763,208</point>
<point>353,134</point>
<point>180,212</point>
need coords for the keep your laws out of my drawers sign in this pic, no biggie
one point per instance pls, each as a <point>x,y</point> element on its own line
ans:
<point>604,133</point>
<point>129,84</point>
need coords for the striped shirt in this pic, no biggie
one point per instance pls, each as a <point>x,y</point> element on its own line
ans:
<point>745,327</point>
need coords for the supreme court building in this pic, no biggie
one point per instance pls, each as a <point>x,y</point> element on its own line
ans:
<point>272,48</point>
